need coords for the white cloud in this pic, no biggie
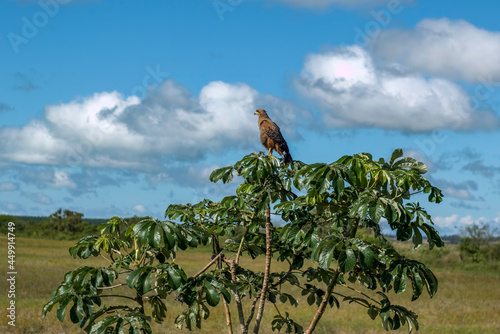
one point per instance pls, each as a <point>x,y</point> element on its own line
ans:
<point>454,224</point>
<point>139,208</point>
<point>469,220</point>
<point>446,222</point>
<point>110,131</point>
<point>352,91</point>
<point>453,48</point>
<point>62,180</point>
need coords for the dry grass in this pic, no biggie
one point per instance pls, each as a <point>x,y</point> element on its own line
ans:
<point>468,301</point>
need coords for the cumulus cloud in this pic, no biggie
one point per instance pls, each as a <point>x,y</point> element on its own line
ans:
<point>139,208</point>
<point>352,91</point>
<point>469,220</point>
<point>62,180</point>
<point>456,224</point>
<point>452,48</point>
<point>446,222</point>
<point>111,131</point>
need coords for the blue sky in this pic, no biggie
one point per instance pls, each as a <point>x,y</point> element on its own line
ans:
<point>123,107</point>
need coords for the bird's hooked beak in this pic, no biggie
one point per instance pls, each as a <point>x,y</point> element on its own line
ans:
<point>256,113</point>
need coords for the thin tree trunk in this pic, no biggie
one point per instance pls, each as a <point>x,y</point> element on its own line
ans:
<point>260,311</point>
<point>228,317</point>
<point>252,311</point>
<point>241,317</point>
<point>324,302</point>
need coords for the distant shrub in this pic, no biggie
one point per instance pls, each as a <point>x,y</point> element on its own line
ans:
<point>478,245</point>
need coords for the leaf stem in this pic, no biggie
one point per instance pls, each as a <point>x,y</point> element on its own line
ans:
<point>360,292</point>
<point>111,287</point>
<point>241,246</point>
<point>119,296</point>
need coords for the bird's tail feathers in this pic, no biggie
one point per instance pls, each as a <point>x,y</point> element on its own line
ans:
<point>287,158</point>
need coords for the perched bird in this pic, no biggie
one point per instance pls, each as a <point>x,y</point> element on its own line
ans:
<point>271,137</point>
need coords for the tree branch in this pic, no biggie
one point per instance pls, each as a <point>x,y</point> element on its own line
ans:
<point>252,310</point>
<point>260,311</point>
<point>324,302</point>
<point>105,258</point>
<point>208,265</point>
<point>239,306</point>
<point>228,317</point>
<point>229,323</point>
<point>117,251</point>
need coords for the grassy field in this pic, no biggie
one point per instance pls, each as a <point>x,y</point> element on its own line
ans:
<point>468,300</point>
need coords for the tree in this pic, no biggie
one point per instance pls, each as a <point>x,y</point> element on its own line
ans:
<point>477,243</point>
<point>353,194</point>
<point>67,221</point>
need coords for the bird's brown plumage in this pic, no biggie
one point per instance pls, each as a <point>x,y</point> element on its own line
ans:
<point>271,137</point>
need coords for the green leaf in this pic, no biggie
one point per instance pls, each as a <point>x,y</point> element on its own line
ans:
<point>211,293</point>
<point>326,255</point>
<point>400,280</point>
<point>431,281</point>
<point>311,299</point>
<point>62,309</point>
<point>174,278</point>
<point>347,260</point>
<point>412,164</point>
<point>222,289</point>
<point>398,153</point>
<point>377,211</point>
<point>404,232</point>
<point>417,237</point>
<point>333,301</point>
<point>75,312</point>
<point>417,283</point>
<point>368,256</point>
<point>133,277</point>
<point>372,312</point>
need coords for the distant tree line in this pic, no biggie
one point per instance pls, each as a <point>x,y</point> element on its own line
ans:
<point>60,225</point>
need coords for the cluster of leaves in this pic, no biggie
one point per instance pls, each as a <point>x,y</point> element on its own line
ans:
<point>138,252</point>
<point>328,210</point>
